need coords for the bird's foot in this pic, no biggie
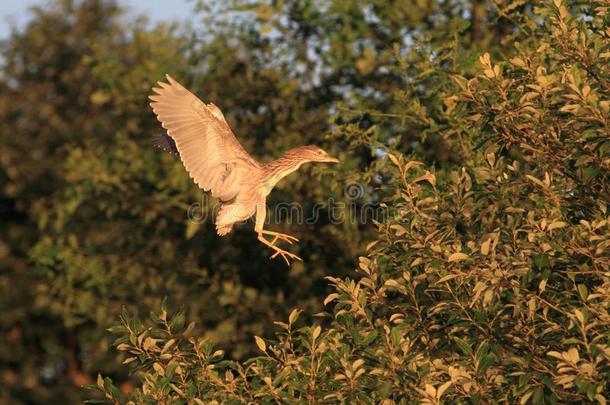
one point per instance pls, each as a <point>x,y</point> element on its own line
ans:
<point>281,236</point>
<point>279,251</point>
<point>285,255</point>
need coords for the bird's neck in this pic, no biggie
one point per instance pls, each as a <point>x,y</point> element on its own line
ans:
<point>282,167</point>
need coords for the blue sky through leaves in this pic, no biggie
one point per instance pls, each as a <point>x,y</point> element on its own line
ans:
<point>16,12</point>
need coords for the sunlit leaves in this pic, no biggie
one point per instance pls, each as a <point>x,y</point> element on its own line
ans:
<point>260,343</point>
<point>458,256</point>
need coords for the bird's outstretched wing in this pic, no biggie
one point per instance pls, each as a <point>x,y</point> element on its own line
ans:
<point>211,154</point>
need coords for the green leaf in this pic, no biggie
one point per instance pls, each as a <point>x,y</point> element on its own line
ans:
<point>369,338</point>
<point>486,362</point>
<point>589,173</point>
<point>546,380</point>
<point>482,350</point>
<point>541,261</point>
<point>396,334</point>
<point>177,322</point>
<point>538,397</point>
<point>385,389</point>
<point>583,292</point>
<point>464,347</point>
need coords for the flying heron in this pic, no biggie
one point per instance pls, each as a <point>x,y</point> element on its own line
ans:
<point>200,136</point>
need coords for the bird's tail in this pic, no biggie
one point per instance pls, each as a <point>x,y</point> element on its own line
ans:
<point>224,220</point>
<point>222,230</point>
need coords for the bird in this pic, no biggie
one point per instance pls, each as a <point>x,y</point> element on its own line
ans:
<point>199,135</point>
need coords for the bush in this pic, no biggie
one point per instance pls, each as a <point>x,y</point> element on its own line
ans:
<point>489,280</point>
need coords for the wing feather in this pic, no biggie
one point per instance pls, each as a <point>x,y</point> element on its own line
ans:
<point>209,150</point>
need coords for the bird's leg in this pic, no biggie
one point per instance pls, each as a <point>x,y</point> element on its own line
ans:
<point>278,251</point>
<point>282,236</point>
<point>258,227</point>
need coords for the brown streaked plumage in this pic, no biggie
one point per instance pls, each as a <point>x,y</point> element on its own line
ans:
<point>200,136</point>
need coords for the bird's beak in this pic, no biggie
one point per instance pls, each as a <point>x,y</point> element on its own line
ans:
<point>331,160</point>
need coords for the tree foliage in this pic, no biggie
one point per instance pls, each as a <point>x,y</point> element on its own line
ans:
<point>487,282</point>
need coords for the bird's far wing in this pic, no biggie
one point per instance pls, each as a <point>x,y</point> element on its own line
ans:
<point>166,143</point>
<point>212,155</point>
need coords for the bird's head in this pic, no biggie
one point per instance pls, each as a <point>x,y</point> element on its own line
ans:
<point>310,153</point>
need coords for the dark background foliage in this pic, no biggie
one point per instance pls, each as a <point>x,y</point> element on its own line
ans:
<point>482,93</point>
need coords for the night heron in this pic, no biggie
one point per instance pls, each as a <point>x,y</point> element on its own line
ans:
<point>200,136</point>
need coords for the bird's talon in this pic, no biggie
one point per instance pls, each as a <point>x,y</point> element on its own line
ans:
<point>279,251</point>
<point>285,255</point>
<point>277,237</point>
<point>282,236</point>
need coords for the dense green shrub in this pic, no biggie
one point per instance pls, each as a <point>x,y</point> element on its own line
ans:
<point>489,278</point>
